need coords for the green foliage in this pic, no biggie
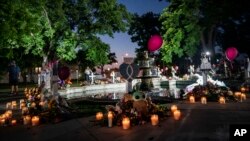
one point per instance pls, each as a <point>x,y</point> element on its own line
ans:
<point>54,29</point>
<point>180,28</point>
<point>188,25</point>
<point>98,52</point>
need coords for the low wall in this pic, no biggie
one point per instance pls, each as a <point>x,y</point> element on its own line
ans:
<point>76,92</point>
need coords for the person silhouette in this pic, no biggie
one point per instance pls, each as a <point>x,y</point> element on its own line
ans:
<point>14,76</point>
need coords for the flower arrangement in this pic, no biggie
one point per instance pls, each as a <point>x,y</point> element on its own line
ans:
<point>137,108</point>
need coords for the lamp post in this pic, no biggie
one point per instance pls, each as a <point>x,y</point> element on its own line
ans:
<point>205,65</point>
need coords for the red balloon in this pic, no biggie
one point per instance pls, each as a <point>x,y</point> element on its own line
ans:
<point>231,53</point>
<point>154,43</point>
<point>64,73</point>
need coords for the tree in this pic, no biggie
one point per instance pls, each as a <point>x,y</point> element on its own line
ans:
<point>54,29</point>
<point>180,28</point>
<point>188,25</point>
<point>61,26</point>
<point>142,28</point>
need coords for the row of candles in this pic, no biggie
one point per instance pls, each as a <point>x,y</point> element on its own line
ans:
<point>6,118</point>
<point>222,100</point>
<point>126,121</point>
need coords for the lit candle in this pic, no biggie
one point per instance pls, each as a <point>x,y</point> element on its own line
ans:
<point>222,100</point>
<point>26,120</point>
<point>33,104</point>
<point>99,116</point>
<point>126,123</point>
<point>13,122</point>
<point>192,99</point>
<point>203,100</point>
<point>25,110</point>
<point>237,94</point>
<point>8,105</point>
<point>41,103</point>
<point>8,113</point>
<point>22,105</point>
<point>38,96</point>
<point>173,108</point>
<point>35,120</point>
<point>21,101</point>
<point>154,120</point>
<point>25,90</point>
<point>13,104</point>
<point>177,114</point>
<point>2,121</point>
<point>242,89</point>
<point>110,118</point>
<point>243,96</point>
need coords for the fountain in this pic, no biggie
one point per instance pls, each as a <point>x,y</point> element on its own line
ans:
<point>146,74</point>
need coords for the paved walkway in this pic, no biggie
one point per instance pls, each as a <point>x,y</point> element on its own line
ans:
<point>199,122</point>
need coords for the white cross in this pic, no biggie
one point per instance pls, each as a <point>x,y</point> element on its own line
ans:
<point>92,77</point>
<point>113,76</point>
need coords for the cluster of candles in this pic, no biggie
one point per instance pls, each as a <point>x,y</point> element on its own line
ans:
<point>222,100</point>
<point>24,105</point>
<point>6,118</point>
<point>125,121</point>
<point>240,96</point>
<point>175,112</point>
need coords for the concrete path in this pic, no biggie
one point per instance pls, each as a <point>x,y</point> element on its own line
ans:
<point>199,122</point>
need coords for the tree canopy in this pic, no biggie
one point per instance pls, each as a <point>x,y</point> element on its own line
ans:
<point>143,27</point>
<point>56,29</point>
<point>200,24</point>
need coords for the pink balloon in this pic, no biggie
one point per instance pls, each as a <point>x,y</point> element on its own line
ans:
<point>231,53</point>
<point>154,43</point>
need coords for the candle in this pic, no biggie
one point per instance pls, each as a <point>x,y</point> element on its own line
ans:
<point>192,99</point>
<point>35,120</point>
<point>22,105</point>
<point>237,94</point>
<point>13,104</point>
<point>25,110</point>
<point>2,121</point>
<point>33,104</point>
<point>203,100</point>
<point>99,116</point>
<point>173,108</point>
<point>41,103</point>
<point>8,114</point>
<point>110,118</point>
<point>222,100</point>
<point>177,114</point>
<point>13,122</point>
<point>154,120</point>
<point>126,123</point>
<point>26,120</point>
<point>8,105</point>
<point>243,96</point>
<point>25,90</point>
<point>21,101</point>
<point>38,96</point>
<point>242,89</point>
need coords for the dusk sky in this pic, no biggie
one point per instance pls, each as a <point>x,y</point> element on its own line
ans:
<point>121,43</point>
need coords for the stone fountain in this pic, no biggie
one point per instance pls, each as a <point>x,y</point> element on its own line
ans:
<point>146,72</point>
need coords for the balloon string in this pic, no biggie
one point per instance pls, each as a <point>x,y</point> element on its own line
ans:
<point>231,65</point>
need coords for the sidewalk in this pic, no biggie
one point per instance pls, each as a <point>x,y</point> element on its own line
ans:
<point>198,123</point>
